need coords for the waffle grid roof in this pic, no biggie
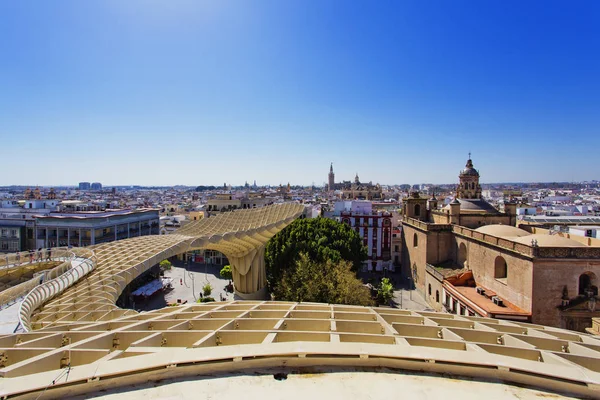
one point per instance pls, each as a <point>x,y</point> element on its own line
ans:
<point>80,330</point>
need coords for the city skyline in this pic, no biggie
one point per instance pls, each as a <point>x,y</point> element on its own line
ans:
<point>164,93</point>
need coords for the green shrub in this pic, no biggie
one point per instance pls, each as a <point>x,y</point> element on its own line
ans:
<point>205,300</point>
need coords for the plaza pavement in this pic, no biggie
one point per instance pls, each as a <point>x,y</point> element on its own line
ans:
<point>187,285</point>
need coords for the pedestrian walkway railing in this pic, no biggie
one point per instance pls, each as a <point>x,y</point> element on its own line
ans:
<point>15,260</point>
<point>80,262</point>
<point>13,294</point>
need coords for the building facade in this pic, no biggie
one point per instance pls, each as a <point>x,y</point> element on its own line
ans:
<point>224,202</point>
<point>375,228</point>
<point>91,228</point>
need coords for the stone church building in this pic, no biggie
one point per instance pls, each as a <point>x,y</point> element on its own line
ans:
<point>471,259</point>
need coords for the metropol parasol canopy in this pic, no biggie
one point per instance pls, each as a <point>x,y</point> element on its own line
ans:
<point>77,341</point>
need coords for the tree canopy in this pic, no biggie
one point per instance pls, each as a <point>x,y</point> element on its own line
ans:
<point>321,239</point>
<point>385,291</point>
<point>226,272</point>
<point>323,282</point>
<point>165,264</point>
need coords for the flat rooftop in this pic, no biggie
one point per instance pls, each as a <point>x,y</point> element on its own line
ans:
<point>485,302</point>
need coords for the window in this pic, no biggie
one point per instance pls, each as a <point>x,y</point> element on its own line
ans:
<point>587,284</point>
<point>417,210</point>
<point>437,296</point>
<point>429,289</point>
<point>415,240</point>
<point>396,248</point>
<point>500,268</point>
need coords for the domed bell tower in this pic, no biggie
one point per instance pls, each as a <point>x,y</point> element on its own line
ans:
<point>469,187</point>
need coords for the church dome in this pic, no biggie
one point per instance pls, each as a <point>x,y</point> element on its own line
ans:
<point>469,170</point>
<point>502,230</point>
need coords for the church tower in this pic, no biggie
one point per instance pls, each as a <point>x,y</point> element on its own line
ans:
<point>331,178</point>
<point>468,187</point>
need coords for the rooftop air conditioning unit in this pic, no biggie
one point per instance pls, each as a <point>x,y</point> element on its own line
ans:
<point>480,290</point>
<point>498,301</point>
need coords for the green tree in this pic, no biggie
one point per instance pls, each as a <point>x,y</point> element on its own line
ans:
<point>385,291</point>
<point>226,272</point>
<point>165,265</point>
<point>321,239</point>
<point>207,289</point>
<point>323,282</point>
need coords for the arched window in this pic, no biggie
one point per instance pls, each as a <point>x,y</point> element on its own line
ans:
<point>415,240</point>
<point>587,284</point>
<point>429,289</point>
<point>437,296</point>
<point>500,268</point>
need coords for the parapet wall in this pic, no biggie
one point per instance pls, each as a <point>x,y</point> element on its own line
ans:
<point>530,251</point>
<point>506,244</point>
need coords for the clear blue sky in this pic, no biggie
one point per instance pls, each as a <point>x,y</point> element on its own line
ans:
<point>206,92</point>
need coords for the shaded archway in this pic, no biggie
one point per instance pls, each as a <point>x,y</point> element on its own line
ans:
<point>462,255</point>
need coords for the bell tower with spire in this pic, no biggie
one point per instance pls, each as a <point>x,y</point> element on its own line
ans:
<point>331,178</point>
<point>468,187</point>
